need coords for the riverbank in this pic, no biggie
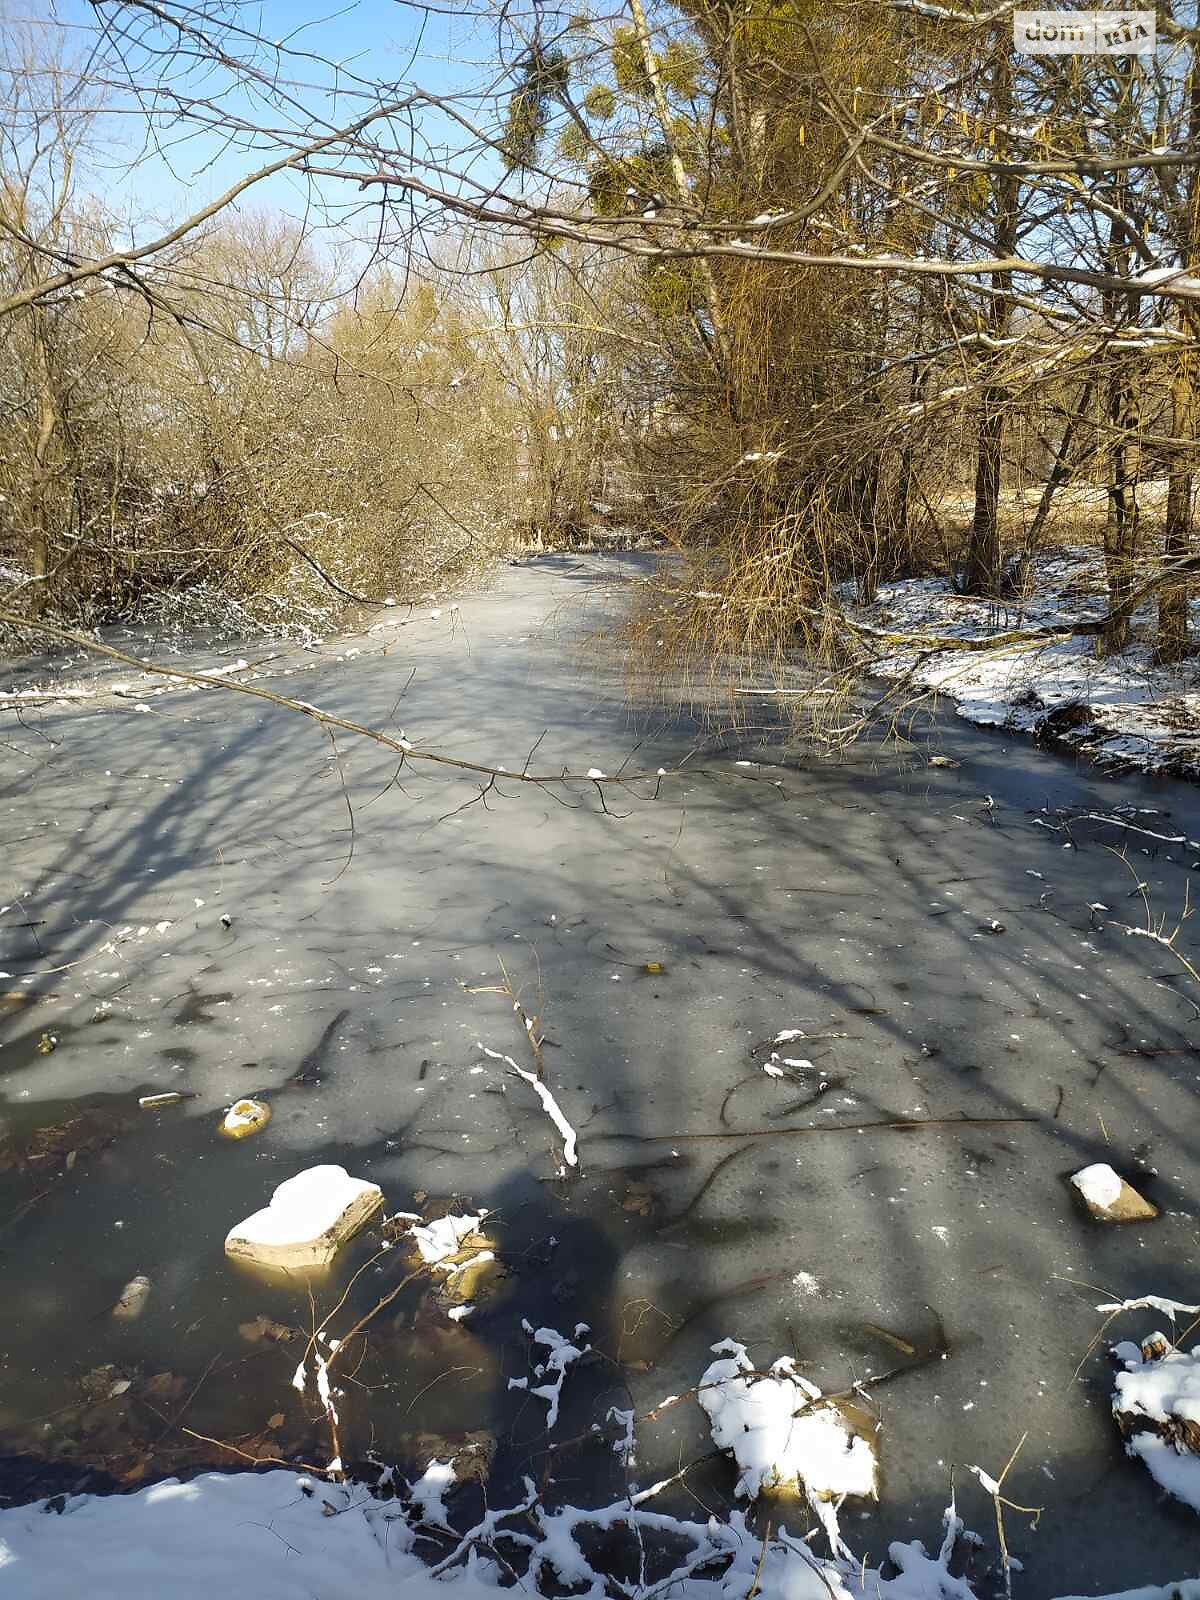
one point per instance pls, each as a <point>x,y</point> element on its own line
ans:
<point>1125,712</point>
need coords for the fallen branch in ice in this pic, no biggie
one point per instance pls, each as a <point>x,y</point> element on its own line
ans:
<point>532,1025</point>
<point>403,747</point>
<point>899,1125</point>
<point>1130,827</point>
<point>1151,1302</point>
<point>1157,932</point>
<point>246,1455</point>
<point>1114,1309</point>
<point>993,1487</point>
<point>553,1111</point>
<point>323,1364</point>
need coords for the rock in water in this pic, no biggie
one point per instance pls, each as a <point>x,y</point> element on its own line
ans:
<point>245,1117</point>
<point>1109,1198</point>
<point>1157,1406</point>
<point>308,1220</point>
<point>133,1299</point>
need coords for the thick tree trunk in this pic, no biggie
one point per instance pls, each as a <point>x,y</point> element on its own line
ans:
<point>1173,633</point>
<point>983,559</point>
<point>982,573</point>
<point>1121,524</point>
<point>1122,416</point>
<point>1173,637</point>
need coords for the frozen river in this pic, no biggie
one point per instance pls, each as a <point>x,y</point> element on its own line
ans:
<point>926,932</point>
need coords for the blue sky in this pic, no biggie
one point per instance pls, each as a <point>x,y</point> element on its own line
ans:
<point>378,39</point>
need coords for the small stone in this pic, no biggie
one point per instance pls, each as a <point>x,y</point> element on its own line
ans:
<point>245,1117</point>
<point>98,1384</point>
<point>1109,1198</point>
<point>132,1301</point>
<point>308,1220</point>
<point>264,1329</point>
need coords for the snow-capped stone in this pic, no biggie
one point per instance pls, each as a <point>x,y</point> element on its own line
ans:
<point>1109,1198</point>
<point>308,1220</point>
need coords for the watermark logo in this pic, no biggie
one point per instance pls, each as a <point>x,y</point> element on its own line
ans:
<point>1084,33</point>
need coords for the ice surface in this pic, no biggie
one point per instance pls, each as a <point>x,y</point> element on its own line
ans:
<point>876,871</point>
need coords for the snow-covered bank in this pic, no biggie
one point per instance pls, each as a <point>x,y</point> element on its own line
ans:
<point>1125,711</point>
<point>281,1536</point>
<point>268,1533</point>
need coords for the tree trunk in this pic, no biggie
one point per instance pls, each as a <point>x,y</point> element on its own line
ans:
<point>1173,640</point>
<point>982,574</point>
<point>41,477</point>
<point>1173,635</point>
<point>1061,470</point>
<point>982,566</point>
<point>662,112</point>
<point>1121,523</point>
<point>1122,413</point>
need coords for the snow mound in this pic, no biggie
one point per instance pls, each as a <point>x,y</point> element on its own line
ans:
<point>1156,1402</point>
<point>439,1241</point>
<point>782,1436</point>
<point>269,1534</point>
<point>1126,710</point>
<point>280,1536</point>
<point>1099,1185</point>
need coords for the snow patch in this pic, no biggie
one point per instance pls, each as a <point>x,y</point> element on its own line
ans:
<point>562,1355</point>
<point>438,1241</point>
<point>1099,1185</point>
<point>782,1436</point>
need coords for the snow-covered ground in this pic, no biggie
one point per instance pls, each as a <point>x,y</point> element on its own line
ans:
<point>281,1536</point>
<point>1125,711</point>
<point>293,1536</point>
<point>193,658</point>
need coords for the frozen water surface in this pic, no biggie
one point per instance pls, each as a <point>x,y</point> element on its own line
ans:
<point>926,941</point>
